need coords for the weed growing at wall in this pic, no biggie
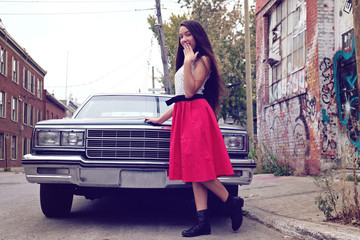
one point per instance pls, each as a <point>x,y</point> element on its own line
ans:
<point>327,200</point>
<point>339,197</point>
<point>268,163</point>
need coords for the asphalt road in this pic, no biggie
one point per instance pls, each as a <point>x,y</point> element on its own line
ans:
<point>142,215</point>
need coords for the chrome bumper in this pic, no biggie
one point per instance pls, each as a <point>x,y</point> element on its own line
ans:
<point>132,174</point>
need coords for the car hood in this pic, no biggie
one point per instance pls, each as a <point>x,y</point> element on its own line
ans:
<point>97,121</point>
<point>67,122</point>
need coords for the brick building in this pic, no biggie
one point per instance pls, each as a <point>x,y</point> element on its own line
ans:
<point>23,100</point>
<point>307,96</point>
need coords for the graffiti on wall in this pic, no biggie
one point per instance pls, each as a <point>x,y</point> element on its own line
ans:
<point>328,133</point>
<point>347,6</point>
<point>346,89</point>
<point>288,129</point>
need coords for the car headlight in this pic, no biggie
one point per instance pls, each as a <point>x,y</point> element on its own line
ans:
<point>49,138</point>
<point>72,138</point>
<point>234,142</point>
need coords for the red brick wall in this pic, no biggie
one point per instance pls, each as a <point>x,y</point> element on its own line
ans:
<point>53,110</point>
<point>12,89</point>
<point>304,129</point>
<point>288,129</point>
<point>8,127</point>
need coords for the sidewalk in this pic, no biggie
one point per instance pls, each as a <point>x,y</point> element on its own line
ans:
<point>288,204</point>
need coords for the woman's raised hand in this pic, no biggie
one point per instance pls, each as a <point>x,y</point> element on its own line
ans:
<point>189,54</point>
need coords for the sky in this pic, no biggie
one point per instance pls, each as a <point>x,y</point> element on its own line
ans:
<point>89,46</point>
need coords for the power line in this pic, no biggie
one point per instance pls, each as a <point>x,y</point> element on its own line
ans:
<point>77,13</point>
<point>70,1</point>
<point>106,74</point>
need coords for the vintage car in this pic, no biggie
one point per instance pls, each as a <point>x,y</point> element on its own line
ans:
<point>107,145</point>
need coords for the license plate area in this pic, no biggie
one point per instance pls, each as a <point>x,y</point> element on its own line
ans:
<point>143,178</point>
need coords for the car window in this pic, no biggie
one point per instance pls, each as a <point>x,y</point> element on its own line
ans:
<point>162,104</point>
<point>122,106</point>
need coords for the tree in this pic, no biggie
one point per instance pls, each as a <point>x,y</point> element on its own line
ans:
<point>223,21</point>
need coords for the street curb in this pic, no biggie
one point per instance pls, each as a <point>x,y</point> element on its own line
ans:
<point>304,229</point>
<point>13,170</point>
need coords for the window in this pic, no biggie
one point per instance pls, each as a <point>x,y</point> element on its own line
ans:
<point>26,79</point>
<point>14,109</point>
<point>47,114</point>
<point>32,83</point>
<point>13,147</point>
<point>2,145</point>
<point>3,58</point>
<point>38,116</point>
<point>287,39</point>
<point>25,113</point>
<point>39,89</point>
<point>31,121</point>
<point>15,70</point>
<point>2,104</point>
<point>25,146</point>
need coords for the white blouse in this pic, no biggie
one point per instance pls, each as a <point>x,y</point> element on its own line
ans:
<point>179,81</point>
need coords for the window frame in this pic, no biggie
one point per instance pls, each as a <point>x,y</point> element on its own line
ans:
<point>25,146</point>
<point>25,113</point>
<point>14,109</point>
<point>3,61</point>
<point>2,145</point>
<point>15,71</point>
<point>32,83</point>
<point>31,115</point>
<point>285,55</point>
<point>39,115</point>
<point>2,104</point>
<point>26,79</point>
<point>13,147</point>
<point>39,88</point>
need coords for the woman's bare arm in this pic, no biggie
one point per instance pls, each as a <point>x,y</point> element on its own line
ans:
<point>193,80</point>
<point>167,115</point>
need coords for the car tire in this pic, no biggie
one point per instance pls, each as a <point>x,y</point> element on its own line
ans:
<point>56,199</point>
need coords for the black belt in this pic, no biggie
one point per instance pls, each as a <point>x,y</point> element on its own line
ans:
<point>180,98</point>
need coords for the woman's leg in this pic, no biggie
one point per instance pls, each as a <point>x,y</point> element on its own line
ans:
<point>200,195</point>
<point>233,204</point>
<point>217,188</point>
<point>203,226</point>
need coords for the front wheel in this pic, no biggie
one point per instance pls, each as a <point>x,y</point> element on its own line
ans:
<point>56,199</point>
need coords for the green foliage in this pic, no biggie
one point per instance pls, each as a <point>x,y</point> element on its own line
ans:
<point>224,23</point>
<point>328,197</point>
<point>350,178</point>
<point>268,163</point>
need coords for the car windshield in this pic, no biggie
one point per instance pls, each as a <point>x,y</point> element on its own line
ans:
<point>109,106</point>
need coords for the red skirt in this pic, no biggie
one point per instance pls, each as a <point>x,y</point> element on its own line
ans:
<point>197,149</point>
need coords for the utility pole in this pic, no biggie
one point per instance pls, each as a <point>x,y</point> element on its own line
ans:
<point>164,55</point>
<point>249,101</point>
<point>153,79</point>
<point>356,16</point>
<point>66,83</point>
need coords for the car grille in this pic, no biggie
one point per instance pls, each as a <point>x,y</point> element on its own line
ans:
<point>128,144</point>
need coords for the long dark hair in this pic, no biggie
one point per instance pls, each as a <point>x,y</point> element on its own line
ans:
<point>213,86</point>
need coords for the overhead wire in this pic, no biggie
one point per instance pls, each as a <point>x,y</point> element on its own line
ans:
<point>106,74</point>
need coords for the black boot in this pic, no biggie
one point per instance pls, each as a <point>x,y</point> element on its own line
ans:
<point>201,228</point>
<point>234,206</point>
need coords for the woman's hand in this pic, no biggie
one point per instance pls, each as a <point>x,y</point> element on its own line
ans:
<point>189,54</point>
<point>153,120</point>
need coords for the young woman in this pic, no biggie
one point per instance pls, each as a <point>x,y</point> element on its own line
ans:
<point>197,149</point>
